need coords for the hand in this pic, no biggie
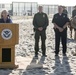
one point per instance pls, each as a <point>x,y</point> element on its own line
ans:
<point>54,27</point>
<point>40,28</point>
<point>61,29</point>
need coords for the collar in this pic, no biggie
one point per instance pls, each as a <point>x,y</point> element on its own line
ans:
<point>6,18</point>
<point>60,14</point>
<point>40,12</point>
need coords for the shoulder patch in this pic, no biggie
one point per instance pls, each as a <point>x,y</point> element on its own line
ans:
<point>56,16</point>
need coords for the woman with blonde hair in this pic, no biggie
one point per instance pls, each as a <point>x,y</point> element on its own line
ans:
<point>5,17</point>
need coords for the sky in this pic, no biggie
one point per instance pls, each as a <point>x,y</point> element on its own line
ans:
<point>57,2</point>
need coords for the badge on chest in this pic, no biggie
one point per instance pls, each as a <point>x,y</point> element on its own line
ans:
<point>64,16</point>
<point>43,16</point>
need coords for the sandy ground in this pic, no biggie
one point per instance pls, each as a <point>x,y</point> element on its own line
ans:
<point>50,65</point>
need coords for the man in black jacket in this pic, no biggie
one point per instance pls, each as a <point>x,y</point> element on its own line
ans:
<point>60,21</point>
<point>74,12</point>
<point>40,23</point>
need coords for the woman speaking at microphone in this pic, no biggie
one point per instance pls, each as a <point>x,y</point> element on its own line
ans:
<point>5,17</point>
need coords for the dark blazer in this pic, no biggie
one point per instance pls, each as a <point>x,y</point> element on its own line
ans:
<point>7,21</point>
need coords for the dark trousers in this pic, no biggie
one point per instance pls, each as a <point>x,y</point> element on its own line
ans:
<point>39,34</point>
<point>63,37</point>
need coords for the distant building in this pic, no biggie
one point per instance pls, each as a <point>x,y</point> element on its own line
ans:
<point>30,8</point>
<point>50,9</point>
<point>5,6</point>
<point>24,8</point>
<point>69,9</point>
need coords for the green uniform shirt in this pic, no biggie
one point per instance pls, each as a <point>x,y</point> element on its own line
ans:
<point>40,20</point>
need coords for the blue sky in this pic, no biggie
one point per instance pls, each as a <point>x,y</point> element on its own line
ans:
<point>59,2</point>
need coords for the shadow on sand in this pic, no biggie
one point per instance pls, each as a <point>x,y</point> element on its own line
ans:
<point>36,67</point>
<point>62,67</point>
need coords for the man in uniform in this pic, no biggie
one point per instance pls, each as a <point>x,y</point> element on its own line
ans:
<point>40,23</point>
<point>60,21</point>
<point>74,12</point>
<point>73,15</point>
